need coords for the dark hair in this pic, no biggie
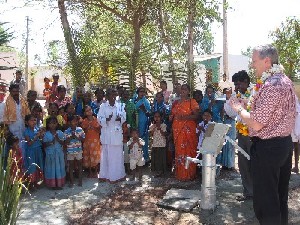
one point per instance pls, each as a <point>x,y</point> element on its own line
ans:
<point>234,77</point>
<point>13,86</point>
<point>209,86</point>
<point>86,107</point>
<point>49,120</point>
<point>52,103</point>
<point>99,90</point>
<point>243,76</point>
<point>160,93</point>
<point>208,111</point>
<point>11,139</point>
<point>188,86</point>
<point>73,117</point>
<point>158,112</point>
<point>109,91</point>
<point>163,82</point>
<point>139,89</point>
<point>61,87</point>
<point>27,118</point>
<point>46,78</point>
<point>37,106</point>
<point>19,71</point>
<point>30,92</point>
<point>68,104</point>
<point>197,92</point>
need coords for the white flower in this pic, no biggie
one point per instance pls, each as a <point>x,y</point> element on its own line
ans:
<point>275,69</point>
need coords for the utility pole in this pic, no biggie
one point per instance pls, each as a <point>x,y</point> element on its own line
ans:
<point>225,42</point>
<point>26,65</point>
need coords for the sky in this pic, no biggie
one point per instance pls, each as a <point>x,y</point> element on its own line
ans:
<point>249,24</point>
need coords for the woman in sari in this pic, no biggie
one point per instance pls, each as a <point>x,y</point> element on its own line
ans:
<point>142,105</point>
<point>184,115</point>
<point>209,102</point>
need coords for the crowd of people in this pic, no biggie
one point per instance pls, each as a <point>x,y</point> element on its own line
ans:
<point>116,133</point>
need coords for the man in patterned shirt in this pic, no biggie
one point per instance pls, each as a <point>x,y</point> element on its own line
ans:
<point>270,122</point>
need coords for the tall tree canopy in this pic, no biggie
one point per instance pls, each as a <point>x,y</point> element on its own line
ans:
<point>286,38</point>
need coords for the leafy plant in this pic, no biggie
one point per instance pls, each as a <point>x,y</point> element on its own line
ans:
<point>10,187</point>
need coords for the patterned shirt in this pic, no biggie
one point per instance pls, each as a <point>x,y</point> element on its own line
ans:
<point>63,102</point>
<point>274,106</point>
<point>136,152</point>
<point>75,145</point>
<point>159,141</point>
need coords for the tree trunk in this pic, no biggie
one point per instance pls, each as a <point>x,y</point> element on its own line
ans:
<point>76,74</point>
<point>166,39</point>
<point>135,53</point>
<point>190,45</point>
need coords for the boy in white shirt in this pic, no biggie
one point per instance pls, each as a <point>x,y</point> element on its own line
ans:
<point>136,158</point>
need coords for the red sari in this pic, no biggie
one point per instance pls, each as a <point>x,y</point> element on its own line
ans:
<point>185,139</point>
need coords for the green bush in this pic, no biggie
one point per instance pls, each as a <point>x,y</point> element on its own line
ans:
<point>10,188</point>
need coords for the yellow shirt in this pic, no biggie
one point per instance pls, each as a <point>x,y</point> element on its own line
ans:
<point>60,120</point>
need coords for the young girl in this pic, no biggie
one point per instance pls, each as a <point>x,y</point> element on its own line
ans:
<point>136,158</point>
<point>33,151</point>
<point>17,165</point>
<point>53,111</point>
<point>159,152</point>
<point>91,145</point>
<point>54,163</point>
<point>74,137</point>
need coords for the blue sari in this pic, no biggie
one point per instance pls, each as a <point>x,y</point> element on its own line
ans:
<point>216,108</point>
<point>143,123</point>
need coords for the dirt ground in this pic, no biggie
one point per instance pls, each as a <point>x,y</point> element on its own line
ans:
<point>130,202</point>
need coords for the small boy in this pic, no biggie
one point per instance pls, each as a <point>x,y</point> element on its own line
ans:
<point>74,137</point>
<point>202,126</point>
<point>136,158</point>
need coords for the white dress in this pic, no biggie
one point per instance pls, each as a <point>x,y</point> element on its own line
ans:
<point>112,158</point>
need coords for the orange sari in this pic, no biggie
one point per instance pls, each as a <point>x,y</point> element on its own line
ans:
<point>185,139</point>
<point>91,145</point>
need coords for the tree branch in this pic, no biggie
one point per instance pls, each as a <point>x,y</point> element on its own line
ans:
<point>101,4</point>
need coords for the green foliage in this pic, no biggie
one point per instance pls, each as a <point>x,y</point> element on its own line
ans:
<point>10,189</point>
<point>121,41</point>
<point>286,39</point>
<point>5,35</point>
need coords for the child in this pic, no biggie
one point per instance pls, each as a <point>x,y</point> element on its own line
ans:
<point>17,166</point>
<point>33,151</point>
<point>202,126</point>
<point>91,145</point>
<point>126,137</point>
<point>74,137</point>
<point>37,112</point>
<point>159,151</point>
<point>47,90</point>
<point>54,162</point>
<point>31,99</point>
<point>136,158</point>
<point>53,111</point>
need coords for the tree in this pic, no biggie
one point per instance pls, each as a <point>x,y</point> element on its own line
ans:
<point>5,38</point>
<point>286,39</point>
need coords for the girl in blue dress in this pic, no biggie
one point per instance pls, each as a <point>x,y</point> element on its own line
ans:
<point>33,151</point>
<point>54,162</point>
<point>142,105</point>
